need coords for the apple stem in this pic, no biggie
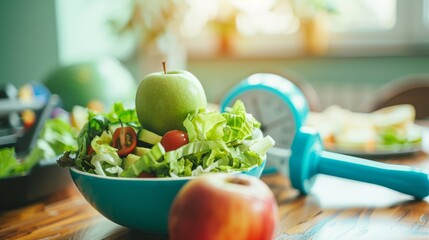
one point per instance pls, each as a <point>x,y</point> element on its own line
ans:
<point>164,66</point>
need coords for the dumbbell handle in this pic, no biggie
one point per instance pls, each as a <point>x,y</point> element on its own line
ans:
<point>404,179</point>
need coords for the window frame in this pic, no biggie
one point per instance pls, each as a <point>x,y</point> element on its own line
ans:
<point>401,39</point>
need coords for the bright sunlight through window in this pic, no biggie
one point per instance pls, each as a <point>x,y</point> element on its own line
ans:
<point>363,15</point>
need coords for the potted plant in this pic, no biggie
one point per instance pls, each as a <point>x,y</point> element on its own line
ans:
<point>313,20</point>
<point>154,30</point>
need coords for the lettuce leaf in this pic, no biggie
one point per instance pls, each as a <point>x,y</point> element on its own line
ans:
<point>181,167</point>
<point>233,125</point>
<point>239,124</point>
<point>148,163</point>
<point>106,159</point>
<point>7,161</point>
<point>205,126</point>
<point>95,126</point>
<point>119,114</point>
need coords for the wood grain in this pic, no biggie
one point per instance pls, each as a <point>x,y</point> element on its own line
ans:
<point>335,209</point>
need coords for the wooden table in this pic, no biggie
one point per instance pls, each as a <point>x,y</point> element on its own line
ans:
<point>335,209</point>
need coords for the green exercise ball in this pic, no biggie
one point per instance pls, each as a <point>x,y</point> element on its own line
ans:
<point>105,80</point>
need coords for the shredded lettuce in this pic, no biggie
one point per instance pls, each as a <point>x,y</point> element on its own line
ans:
<point>181,167</point>
<point>240,125</point>
<point>218,142</point>
<point>205,126</point>
<point>106,159</point>
<point>148,163</point>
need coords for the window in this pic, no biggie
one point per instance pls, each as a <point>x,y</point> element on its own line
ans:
<point>363,15</point>
<point>255,28</point>
<point>354,27</point>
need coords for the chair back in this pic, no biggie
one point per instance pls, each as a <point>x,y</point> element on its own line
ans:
<point>411,89</point>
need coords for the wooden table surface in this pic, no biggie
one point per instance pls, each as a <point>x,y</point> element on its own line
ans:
<point>335,209</point>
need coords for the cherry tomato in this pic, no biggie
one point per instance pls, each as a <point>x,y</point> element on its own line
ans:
<point>174,139</point>
<point>125,140</point>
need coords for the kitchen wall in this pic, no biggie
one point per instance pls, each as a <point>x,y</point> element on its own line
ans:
<point>28,40</point>
<point>349,82</point>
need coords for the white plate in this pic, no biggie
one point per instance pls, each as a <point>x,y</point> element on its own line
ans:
<point>379,151</point>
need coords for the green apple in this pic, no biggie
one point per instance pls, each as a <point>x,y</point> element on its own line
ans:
<point>164,99</point>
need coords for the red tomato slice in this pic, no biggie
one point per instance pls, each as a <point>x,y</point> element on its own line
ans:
<point>90,150</point>
<point>125,140</point>
<point>174,139</point>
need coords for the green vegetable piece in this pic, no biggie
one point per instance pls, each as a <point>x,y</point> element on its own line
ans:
<point>239,124</point>
<point>119,114</point>
<point>96,125</point>
<point>106,159</point>
<point>147,163</point>
<point>214,149</point>
<point>193,148</point>
<point>147,136</point>
<point>7,161</point>
<point>261,146</point>
<point>129,160</point>
<point>182,167</point>
<point>205,126</point>
<point>140,151</point>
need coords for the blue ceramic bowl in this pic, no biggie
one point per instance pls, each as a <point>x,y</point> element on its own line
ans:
<point>141,204</point>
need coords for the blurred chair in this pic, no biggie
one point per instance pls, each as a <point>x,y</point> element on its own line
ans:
<point>410,89</point>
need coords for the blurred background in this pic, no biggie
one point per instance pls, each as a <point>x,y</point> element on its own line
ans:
<point>341,51</point>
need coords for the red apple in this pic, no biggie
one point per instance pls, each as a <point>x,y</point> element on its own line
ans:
<point>222,206</point>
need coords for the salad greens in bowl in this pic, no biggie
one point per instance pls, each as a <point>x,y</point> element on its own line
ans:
<point>131,175</point>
